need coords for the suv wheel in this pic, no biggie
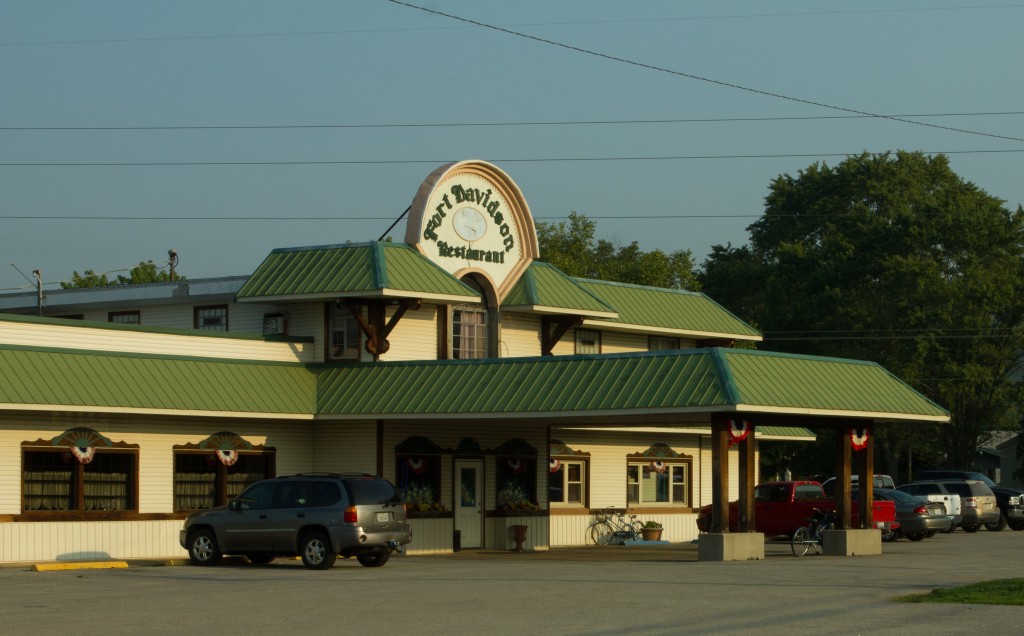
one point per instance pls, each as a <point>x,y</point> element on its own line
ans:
<point>996,526</point>
<point>1016,525</point>
<point>202,547</point>
<point>373,559</point>
<point>316,551</point>
<point>971,528</point>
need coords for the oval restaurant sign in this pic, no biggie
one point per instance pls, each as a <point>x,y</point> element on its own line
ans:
<point>470,217</point>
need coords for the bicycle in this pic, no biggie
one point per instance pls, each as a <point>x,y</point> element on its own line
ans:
<point>810,535</point>
<point>611,528</point>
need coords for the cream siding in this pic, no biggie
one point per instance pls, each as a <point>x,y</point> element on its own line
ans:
<point>620,342</point>
<point>607,480</point>
<point>415,335</point>
<point>116,340</point>
<point>520,335</point>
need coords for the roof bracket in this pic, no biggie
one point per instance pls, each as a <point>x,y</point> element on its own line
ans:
<point>561,325</point>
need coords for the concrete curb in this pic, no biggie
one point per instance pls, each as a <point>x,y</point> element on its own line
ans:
<point>79,565</point>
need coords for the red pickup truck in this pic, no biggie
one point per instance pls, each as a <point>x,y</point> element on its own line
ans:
<point>780,507</point>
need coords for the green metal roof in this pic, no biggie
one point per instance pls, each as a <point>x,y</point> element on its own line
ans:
<point>651,384</point>
<point>660,382</point>
<point>670,310</point>
<point>64,379</point>
<point>778,382</point>
<point>784,432</point>
<point>546,289</point>
<point>377,269</point>
<point>570,385</point>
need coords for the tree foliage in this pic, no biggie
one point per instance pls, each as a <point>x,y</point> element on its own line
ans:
<point>573,248</point>
<point>144,272</point>
<point>895,259</point>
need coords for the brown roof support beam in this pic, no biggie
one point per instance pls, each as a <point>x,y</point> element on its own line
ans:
<point>561,325</point>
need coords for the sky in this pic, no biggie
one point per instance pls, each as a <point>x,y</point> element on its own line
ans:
<point>226,129</point>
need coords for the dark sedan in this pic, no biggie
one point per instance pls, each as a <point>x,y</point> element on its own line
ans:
<point>918,518</point>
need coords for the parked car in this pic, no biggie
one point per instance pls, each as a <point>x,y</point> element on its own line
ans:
<point>918,518</point>
<point>317,516</point>
<point>977,502</point>
<point>1009,500</point>
<point>780,507</point>
<point>879,481</point>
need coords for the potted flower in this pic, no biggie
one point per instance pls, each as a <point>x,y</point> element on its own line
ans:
<point>651,531</point>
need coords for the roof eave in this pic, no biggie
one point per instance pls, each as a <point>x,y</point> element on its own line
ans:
<point>690,333</point>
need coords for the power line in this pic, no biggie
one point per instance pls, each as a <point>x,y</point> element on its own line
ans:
<point>364,162</point>
<point>709,80</point>
<point>497,124</point>
<point>523,24</point>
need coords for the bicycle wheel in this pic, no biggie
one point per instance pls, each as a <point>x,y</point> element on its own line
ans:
<point>800,541</point>
<point>637,529</point>
<point>601,533</point>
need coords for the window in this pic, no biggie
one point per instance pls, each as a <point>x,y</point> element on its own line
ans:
<point>275,324</point>
<point>344,335</point>
<point>516,476</point>
<point>565,481</point>
<point>469,333</point>
<point>588,341</point>
<point>567,475</point>
<point>208,478</point>
<point>418,474</point>
<point>213,318</point>
<point>58,480</point>
<point>660,343</point>
<point>125,317</point>
<point>659,475</point>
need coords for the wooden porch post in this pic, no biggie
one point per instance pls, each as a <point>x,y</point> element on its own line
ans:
<point>719,474</point>
<point>748,479</point>
<point>843,494</point>
<point>866,477</point>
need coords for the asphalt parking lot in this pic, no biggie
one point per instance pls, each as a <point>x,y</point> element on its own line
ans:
<point>593,590</point>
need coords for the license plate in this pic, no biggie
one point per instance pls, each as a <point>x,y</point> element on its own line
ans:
<point>383,517</point>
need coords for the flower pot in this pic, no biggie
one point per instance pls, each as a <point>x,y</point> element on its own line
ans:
<point>651,534</point>
<point>519,534</point>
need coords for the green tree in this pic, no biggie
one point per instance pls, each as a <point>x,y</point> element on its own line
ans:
<point>144,272</point>
<point>573,248</point>
<point>896,259</point>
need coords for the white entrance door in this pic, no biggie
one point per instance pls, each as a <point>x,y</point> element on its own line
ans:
<point>469,515</point>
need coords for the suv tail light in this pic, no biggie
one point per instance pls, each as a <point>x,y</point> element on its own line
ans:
<point>970,502</point>
<point>350,515</point>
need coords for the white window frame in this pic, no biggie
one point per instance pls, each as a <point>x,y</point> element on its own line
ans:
<point>566,483</point>
<point>344,324</point>
<point>639,493</point>
<point>474,334</point>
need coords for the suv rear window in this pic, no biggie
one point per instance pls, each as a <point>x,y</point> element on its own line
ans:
<point>965,489</point>
<point>371,491</point>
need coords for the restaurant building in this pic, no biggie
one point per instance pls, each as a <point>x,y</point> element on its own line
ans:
<point>494,389</point>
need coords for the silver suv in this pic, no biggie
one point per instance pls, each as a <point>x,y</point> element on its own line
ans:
<point>977,503</point>
<point>317,516</point>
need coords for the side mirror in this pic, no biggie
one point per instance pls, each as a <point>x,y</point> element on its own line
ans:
<point>234,504</point>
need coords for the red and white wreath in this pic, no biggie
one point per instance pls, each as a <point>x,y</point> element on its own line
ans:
<point>83,454</point>
<point>859,437</point>
<point>554,465</point>
<point>738,431</point>
<point>227,457</point>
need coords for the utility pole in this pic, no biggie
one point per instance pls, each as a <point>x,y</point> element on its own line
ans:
<point>172,259</point>
<point>39,289</point>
